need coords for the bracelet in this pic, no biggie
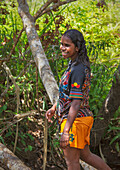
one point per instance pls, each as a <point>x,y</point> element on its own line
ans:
<point>63,134</point>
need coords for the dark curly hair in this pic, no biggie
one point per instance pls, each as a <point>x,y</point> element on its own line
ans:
<point>78,39</point>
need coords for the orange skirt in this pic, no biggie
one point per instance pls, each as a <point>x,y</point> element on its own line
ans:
<point>79,134</point>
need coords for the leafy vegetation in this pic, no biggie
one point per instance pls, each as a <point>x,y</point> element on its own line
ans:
<point>101,29</point>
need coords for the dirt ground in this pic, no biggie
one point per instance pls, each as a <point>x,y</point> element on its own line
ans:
<point>55,158</point>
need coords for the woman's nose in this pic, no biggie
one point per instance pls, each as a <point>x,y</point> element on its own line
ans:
<point>62,47</point>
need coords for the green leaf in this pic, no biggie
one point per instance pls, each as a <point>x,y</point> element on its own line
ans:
<point>117,146</point>
<point>30,136</point>
<point>8,134</point>
<point>2,140</point>
<point>30,148</point>
<point>3,108</point>
<point>115,138</point>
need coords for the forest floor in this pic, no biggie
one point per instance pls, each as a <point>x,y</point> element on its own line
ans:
<point>55,158</point>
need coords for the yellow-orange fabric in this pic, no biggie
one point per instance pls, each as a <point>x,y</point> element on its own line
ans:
<point>79,134</point>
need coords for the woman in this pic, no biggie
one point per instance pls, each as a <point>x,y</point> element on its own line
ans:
<point>73,111</point>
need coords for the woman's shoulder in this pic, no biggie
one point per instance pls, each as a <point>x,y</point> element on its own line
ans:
<point>78,67</point>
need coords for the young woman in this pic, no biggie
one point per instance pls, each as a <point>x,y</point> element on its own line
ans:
<point>73,111</point>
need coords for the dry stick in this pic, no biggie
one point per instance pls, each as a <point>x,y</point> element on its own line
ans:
<point>45,140</point>
<point>5,91</point>
<point>31,113</point>
<point>19,117</point>
<point>13,48</point>
<point>11,124</point>
<point>23,70</point>
<point>52,8</point>
<point>37,95</point>
<point>16,137</point>
<point>102,156</point>
<point>45,145</point>
<point>17,90</point>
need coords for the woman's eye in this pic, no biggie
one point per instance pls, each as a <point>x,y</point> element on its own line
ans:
<point>67,45</point>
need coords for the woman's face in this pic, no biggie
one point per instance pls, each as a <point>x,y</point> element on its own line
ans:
<point>68,49</point>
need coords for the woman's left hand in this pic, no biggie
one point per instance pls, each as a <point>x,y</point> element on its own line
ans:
<point>64,141</point>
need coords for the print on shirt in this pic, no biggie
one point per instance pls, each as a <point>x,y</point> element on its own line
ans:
<point>74,84</point>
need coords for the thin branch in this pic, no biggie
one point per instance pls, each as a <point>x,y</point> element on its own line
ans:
<point>101,154</point>
<point>19,117</point>
<point>42,8</point>
<point>13,48</point>
<point>17,90</point>
<point>16,138</point>
<point>45,144</point>
<point>30,113</point>
<point>23,71</point>
<point>11,124</point>
<point>56,5</point>
<point>37,94</point>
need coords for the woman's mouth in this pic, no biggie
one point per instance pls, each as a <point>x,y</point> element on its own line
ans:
<point>63,53</point>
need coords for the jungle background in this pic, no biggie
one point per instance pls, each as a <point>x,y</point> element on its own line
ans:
<point>23,98</point>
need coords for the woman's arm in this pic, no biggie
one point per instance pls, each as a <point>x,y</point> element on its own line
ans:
<point>73,111</point>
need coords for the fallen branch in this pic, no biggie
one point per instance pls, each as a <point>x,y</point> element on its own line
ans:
<point>10,160</point>
<point>30,113</point>
<point>85,166</point>
<point>19,117</point>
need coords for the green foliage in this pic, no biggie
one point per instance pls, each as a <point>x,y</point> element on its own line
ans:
<point>100,27</point>
<point>3,108</point>
<point>29,148</point>
<point>114,133</point>
<point>2,140</point>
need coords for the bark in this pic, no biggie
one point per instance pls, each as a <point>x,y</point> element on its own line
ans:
<point>47,75</point>
<point>38,52</point>
<point>10,160</point>
<point>110,106</point>
<point>39,55</point>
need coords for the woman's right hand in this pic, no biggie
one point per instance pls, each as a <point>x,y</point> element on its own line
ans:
<point>50,113</point>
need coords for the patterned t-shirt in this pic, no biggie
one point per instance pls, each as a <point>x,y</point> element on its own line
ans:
<point>74,84</point>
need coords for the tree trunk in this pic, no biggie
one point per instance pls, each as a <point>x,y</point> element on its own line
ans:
<point>38,52</point>
<point>10,160</point>
<point>39,55</point>
<point>110,106</point>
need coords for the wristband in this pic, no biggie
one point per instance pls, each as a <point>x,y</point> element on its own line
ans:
<point>63,134</point>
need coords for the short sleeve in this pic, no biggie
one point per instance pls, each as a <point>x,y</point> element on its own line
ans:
<point>76,81</point>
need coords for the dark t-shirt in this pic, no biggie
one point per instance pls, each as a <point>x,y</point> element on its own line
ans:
<point>74,84</point>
